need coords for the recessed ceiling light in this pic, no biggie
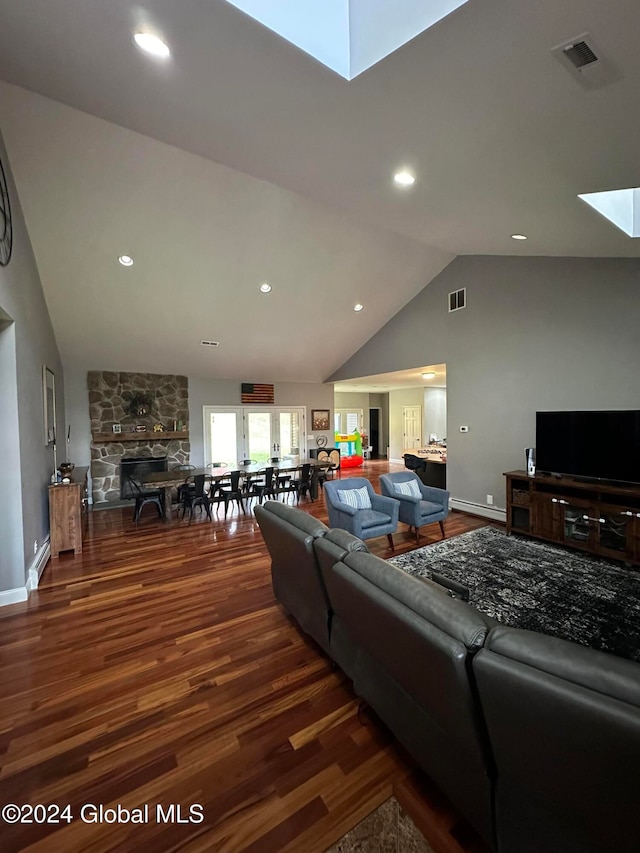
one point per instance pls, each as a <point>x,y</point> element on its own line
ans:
<point>126,260</point>
<point>429,375</point>
<point>358,307</point>
<point>265,287</point>
<point>518,236</point>
<point>404,179</point>
<point>152,44</point>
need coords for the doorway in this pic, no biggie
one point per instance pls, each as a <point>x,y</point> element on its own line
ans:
<point>374,432</point>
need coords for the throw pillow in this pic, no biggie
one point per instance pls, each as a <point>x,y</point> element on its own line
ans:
<point>410,488</point>
<point>356,498</point>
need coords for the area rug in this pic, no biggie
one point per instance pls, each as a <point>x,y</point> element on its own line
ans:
<point>532,585</point>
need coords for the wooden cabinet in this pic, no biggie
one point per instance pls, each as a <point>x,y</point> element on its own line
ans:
<point>68,508</point>
<point>595,517</point>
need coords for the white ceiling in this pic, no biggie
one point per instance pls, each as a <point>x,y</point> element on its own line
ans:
<point>242,160</point>
<point>381,383</point>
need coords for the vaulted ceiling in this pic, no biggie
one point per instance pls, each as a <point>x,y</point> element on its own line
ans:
<point>242,160</point>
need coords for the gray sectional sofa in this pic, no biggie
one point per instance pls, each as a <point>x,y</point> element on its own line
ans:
<point>536,740</point>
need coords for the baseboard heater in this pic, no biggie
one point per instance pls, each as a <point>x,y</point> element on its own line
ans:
<point>492,512</point>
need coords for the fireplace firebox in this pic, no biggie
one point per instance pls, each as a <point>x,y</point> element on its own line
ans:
<point>134,465</point>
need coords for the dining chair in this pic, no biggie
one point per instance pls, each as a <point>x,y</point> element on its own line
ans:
<point>182,487</point>
<point>266,486</point>
<point>324,473</point>
<point>196,498</point>
<point>215,486</point>
<point>302,483</point>
<point>145,496</point>
<point>233,493</point>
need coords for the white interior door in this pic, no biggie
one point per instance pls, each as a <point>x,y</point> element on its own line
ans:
<point>412,426</point>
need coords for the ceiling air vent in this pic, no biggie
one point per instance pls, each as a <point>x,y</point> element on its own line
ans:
<point>458,299</point>
<point>210,343</point>
<point>579,54</point>
<point>586,62</point>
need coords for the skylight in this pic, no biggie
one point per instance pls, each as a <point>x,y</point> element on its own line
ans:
<point>348,36</point>
<point>622,207</point>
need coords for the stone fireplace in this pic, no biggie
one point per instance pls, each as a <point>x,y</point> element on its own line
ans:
<point>135,403</point>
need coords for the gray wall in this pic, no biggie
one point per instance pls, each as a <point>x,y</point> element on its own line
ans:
<point>27,343</point>
<point>538,333</point>
<point>354,400</point>
<point>435,413</point>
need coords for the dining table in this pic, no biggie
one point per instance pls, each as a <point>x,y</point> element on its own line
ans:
<point>168,480</point>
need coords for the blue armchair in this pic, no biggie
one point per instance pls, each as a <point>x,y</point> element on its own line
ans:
<point>378,519</point>
<point>426,506</point>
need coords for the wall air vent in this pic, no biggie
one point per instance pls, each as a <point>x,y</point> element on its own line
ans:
<point>210,343</point>
<point>458,299</point>
<point>586,62</point>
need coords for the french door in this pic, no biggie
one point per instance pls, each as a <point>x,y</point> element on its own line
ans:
<point>232,433</point>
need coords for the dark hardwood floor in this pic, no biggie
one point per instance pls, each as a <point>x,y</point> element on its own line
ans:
<point>157,668</point>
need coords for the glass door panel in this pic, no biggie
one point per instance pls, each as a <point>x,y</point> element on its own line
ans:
<point>614,530</point>
<point>222,435</point>
<point>288,435</point>
<point>577,527</point>
<point>259,436</point>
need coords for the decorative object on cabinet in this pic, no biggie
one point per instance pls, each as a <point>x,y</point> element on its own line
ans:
<point>49,403</point>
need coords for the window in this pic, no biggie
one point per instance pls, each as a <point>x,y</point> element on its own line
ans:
<point>347,421</point>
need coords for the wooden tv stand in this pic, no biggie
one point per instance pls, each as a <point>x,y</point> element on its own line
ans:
<point>596,517</point>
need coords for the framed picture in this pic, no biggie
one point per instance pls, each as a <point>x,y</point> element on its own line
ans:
<point>49,404</point>
<point>117,428</point>
<point>319,419</point>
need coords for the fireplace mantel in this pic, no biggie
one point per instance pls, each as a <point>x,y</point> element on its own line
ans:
<point>122,437</point>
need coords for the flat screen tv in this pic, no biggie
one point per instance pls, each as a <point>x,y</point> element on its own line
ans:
<point>591,445</point>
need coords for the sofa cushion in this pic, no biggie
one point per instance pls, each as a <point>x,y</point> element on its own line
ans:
<point>410,488</point>
<point>300,519</point>
<point>369,518</point>
<point>356,498</point>
<point>345,540</point>
<point>429,508</point>
<point>428,601</point>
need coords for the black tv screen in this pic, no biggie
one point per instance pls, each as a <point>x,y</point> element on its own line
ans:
<point>594,445</point>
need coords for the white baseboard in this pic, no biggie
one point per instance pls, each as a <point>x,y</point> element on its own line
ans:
<point>492,512</point>
<point>13,596</point>
<point>37,567</point>
<point>397,461</point>
<point>34,573</point>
